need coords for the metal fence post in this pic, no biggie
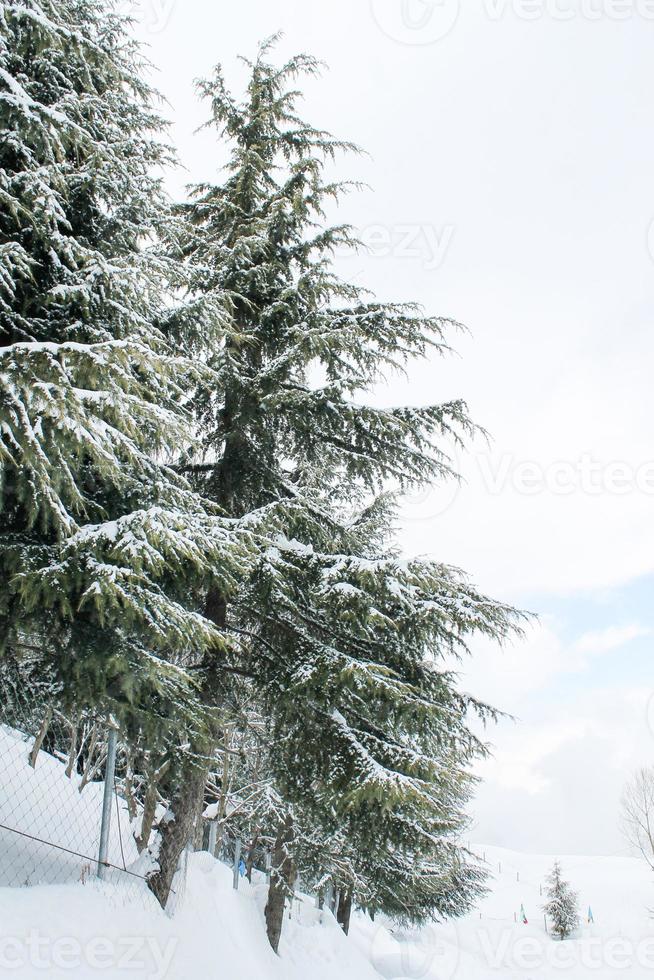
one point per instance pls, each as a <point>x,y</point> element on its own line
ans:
<point>213,837</point>
<point>237,862</point>
<point>105,827</point>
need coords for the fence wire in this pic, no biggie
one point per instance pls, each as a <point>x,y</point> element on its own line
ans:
<point>52,790</point>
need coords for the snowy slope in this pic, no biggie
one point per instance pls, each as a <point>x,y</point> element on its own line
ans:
<point>489,943</point>
<point>86,929</point>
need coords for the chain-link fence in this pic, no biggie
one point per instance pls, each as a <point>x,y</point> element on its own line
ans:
<point>70,809</point>
<point>78,805</point>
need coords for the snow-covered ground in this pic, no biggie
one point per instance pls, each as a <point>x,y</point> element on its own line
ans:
<point>493,941</point>
<point>95,930</point>
<point>92,930</point>
<point>86,929</point>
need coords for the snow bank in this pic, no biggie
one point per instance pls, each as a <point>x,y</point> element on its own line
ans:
<point>91,930</point>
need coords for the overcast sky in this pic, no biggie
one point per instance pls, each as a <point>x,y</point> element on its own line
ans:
<point>511,175</point>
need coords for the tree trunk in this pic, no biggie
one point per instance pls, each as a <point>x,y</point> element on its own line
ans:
<point>198,837</point>
<point>344,911</point>
<point>38,742</point>
<point>89,767</point>
<point>249,861</point>
<point>177,829</point>
<point>223,797</point>
<point>188,796</point>
<point>130,797</point>
<point>72,757</point>
<point>150,800</point>
<point>282,878</point>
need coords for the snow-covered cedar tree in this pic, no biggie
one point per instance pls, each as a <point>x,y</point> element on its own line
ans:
<point>101,543</point>
<point>562,906</point>
<point>344,641</point>
<point>370,734</point>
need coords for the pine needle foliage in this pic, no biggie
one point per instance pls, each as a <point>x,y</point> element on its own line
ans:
<point>102,543</point>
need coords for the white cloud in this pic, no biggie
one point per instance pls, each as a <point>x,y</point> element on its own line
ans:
<point>603,641</point>
<point>556,774</point>
<point>505,676</point>
<point>554,785</point>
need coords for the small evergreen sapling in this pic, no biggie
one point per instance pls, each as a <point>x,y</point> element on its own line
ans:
<point>562,906</point>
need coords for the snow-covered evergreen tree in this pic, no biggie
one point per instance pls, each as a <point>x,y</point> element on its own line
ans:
<point>562,906</point>
<point>101,542</point>
<point>371,735</point>
<point>344,641</point>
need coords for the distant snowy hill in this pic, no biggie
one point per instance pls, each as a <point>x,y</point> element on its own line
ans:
<point>87,929</point>
<point>489,943</point>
